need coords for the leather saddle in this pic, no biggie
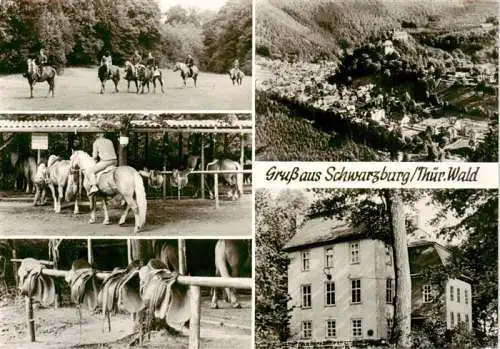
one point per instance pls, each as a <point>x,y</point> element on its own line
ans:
<point>83,284</point>
<point>34,284</point>
<point>102,172</point>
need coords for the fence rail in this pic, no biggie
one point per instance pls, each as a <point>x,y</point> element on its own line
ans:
<point>194,283</point>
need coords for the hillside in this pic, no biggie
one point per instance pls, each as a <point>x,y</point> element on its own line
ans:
<point>314,30</point>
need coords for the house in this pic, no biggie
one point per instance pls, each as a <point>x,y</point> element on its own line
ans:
<point>341,283</point>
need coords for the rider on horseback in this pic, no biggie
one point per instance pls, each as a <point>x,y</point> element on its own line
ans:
<point>107,61</point>
<point>135,60</point>
<point>42,60</point>
<point>236,64</point>
<point>150,61</point>
<point>104,153</point>
<point>190,63</point>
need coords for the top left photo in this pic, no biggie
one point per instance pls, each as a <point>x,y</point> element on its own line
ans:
<point>168,55</point>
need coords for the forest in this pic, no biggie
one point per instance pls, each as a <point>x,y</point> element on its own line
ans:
<point>78,32</point>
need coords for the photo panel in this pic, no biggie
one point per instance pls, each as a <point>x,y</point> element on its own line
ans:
<point>153,293</point>
<point>376,268</point>
<point>376,81</point>
<point>126,174</point>
<point>135,55</point>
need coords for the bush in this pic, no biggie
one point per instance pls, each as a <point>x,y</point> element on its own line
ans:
<point>262,50</point>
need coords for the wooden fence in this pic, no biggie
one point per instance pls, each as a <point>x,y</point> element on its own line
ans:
<point>194,283</point>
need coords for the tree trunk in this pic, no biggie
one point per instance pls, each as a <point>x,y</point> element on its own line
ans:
<point>402,309</point>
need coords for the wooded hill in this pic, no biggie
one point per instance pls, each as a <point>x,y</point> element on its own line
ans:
<point>316,30</point>
<point>78,32</point>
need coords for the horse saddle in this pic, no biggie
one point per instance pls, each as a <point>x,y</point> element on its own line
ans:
<point>83,284</point>
<point>102,172</point>
<point>109,295</point>
<point>128,295</point>
<point>163,297</point>
<point>34,284</point>
<point>179,179</point>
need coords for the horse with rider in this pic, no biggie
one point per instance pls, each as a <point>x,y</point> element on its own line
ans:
<point>39,71</point>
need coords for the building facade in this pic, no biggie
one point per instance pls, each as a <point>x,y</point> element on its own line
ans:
<point>341,284</point>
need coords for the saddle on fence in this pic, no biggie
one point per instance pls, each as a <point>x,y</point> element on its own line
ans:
<point>34,284</point>
<point>83,284</point>
<point>162,295</point>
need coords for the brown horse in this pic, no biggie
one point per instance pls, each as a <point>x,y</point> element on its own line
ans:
<point>235,180</point>
<point>236,76</point>
<point>147,75</point>
<point>33,75</point>
<point>112,74</point>
<point>25,172</point>
<point>232,257</point>
<point>131,75</point>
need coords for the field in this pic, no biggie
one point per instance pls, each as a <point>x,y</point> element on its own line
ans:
<point>78,89</point>
<point>224,328</point>
<point>170,217</point>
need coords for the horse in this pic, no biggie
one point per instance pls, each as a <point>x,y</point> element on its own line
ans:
<point>185,74</point>
<point>25,173</point>
<point>113,181</point>
<point>33,75</point>
<point>235,180</point>
<point>232,257</point>
<point>58,174</point>
<point>40,185</point>
<point>131,75</point>
<point>147,75</point>
<point>104,75</point>
<point>236,76</point>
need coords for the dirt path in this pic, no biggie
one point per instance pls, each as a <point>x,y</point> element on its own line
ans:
<point>78,89</point>
<point>186,217</point>
<point>60,328</point>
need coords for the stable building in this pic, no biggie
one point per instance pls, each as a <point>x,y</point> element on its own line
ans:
<point>341,283</point>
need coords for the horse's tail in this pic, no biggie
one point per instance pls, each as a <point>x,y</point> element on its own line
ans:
<point>140,198</point>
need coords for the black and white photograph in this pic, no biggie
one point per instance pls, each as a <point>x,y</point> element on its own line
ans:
<point>126,174</point>
<point>370,268</point>
<point>64,293</point>
<point>376,80</point>
<point>133,55</point>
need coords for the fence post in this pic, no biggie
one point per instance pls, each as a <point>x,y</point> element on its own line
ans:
<point>90,255</point>
<point>202,165</point>
<point>182,256</point>
<point>194,323</point>
<point>30,319</point>
<point>216,190</point>
<point>164,182</point>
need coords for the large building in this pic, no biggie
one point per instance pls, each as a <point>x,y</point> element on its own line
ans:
<point>341,283</point>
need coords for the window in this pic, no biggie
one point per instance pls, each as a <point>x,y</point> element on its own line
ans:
<point>357,329</point>
<point>329,257</point>
<point>388,291</point>
<point>451,294</point>
<point>306,260</point>
<point>467,319</point>
<point>388,256</point>
<point>356,291</point>
<point>427,293</point>
<point>458,295</point>
<point>306,296</point>
<point>307,329</point>
<point>354,252</point>
<point>459,318</point>
<point>331,328</point>
<point>389,328</point>
<point>466,296</point>
<point>330,293</point>
<point>452,320</point>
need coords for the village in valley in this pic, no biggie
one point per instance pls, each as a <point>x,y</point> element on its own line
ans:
<point>435,88</point>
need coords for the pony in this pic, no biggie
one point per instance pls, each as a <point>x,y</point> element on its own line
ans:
<point>131,75</point>
<point>58,174</point>
<point>122,180</point>
<point>40,185</point>
<point>232,257</point>
<point>185,74</point>
<point>235,180</point>
<point>104,75</point>
<point>236,76</point>
<point>25,173</point>
<point>147,75</point>
<point>33,75</point>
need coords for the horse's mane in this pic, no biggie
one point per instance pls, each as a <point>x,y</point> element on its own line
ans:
<point>52,159</point>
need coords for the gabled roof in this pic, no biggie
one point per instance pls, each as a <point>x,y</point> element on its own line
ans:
<point>424,253</point>
<point>321,231</point>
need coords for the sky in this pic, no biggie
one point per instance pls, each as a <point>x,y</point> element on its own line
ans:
<point>202,4</point>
